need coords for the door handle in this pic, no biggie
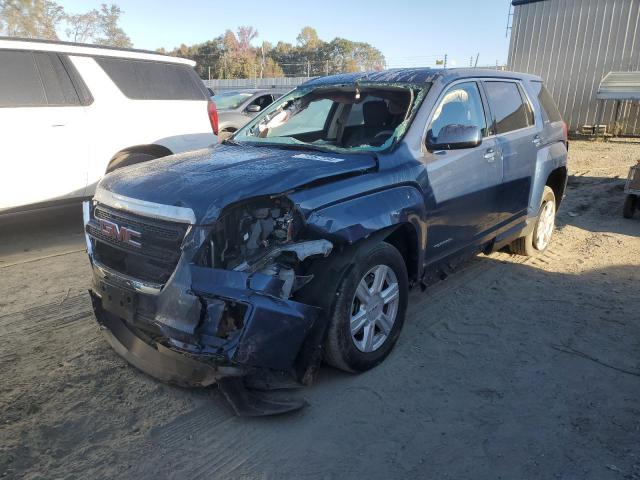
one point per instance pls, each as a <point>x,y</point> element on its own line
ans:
<point>58,125</point>
<point>490,155</point>
<point>536,140</point>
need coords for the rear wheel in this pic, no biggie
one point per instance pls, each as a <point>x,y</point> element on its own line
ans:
<point>538,240</point>
<point>128,158</point>
<point>630,205</point>
<point>224,134</point>
<point>369,310</point>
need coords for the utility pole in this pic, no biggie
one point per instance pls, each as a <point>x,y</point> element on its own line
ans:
<point>445,61</point>
<point>308,69</point>
<point>326,68</point>
<point>209,67</point>
<point>477,56</point>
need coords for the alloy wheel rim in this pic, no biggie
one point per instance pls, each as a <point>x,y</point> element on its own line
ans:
<point>374,308</point>
<point>545,226</point>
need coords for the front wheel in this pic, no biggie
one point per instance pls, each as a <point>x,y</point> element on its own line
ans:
<point>538,240</point>
<point>368,312</point>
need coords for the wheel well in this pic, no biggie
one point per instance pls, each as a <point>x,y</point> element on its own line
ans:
<point>557,180</point>
<point>405,239</point>
<point>155,150</point>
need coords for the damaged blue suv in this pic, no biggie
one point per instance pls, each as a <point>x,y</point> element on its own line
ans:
<point>298,239</point>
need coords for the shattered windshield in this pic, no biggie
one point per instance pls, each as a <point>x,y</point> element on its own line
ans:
<point>354,117</point>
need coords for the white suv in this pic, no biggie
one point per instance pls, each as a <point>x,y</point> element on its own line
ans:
<point>69,113</point>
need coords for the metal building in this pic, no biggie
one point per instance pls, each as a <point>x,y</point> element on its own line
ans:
<point>573,45</point>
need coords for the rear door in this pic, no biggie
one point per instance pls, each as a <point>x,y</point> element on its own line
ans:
<point>44,146</point>
<point>518,139</point>
<point>462,184</point>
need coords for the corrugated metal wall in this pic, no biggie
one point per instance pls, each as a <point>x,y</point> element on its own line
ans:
<point>573,44</point>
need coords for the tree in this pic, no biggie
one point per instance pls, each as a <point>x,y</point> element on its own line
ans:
<point>245,36</point>
<point>30,18</point>
<point>231,55</point>
<point>43,19</point>
<point>113,35</point>
<point>308,39</point>
<point>83,27</point>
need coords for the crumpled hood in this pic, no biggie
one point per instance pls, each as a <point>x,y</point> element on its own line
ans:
<point>208,180</point>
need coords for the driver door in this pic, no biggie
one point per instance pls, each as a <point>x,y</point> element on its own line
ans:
<point>258,104</point>
<point>462,189</point>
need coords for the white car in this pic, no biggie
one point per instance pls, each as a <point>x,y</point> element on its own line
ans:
<point>69,113</point>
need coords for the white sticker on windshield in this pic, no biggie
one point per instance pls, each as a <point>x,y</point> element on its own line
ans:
<point>320,158</point>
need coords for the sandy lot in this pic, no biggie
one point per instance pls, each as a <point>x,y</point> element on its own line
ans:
<point>510,368</point>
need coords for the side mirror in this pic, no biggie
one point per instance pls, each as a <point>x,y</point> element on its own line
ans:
<point>253,108</point>
<point>454,137</point>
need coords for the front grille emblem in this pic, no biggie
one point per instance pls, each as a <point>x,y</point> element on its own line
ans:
<point>119,233</point>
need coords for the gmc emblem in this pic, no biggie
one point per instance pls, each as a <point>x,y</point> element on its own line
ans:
<point>118,233</point>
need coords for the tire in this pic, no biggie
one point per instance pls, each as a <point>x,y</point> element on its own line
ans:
<point>126,159</point>
<point>630,205</point>
<point>531,244</point>
<point>341,347</point>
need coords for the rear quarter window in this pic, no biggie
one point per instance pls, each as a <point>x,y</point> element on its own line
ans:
<point>550,112</point>
<point>508,108</point>
<point>143,80</point>
<point>56,81</point>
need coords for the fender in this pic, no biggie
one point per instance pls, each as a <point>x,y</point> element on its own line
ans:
<point>548,159</point>
<point>353,220</point>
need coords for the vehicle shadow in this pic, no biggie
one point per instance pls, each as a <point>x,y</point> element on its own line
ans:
<point>595,204</point>
<point>498,356</point>
<point>30,235</point>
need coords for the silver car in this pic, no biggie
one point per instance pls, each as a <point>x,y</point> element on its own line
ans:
<point>237,107</point>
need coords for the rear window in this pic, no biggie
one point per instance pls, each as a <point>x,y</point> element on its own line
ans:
<point>142,80</point>
<point>550,112</point>
<point>507,106</point>
<point>20,84</point>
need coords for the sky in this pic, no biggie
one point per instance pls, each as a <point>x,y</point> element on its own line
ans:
<point>408,32</point>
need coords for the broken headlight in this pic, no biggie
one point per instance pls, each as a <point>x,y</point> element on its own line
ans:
<point>249,230</point>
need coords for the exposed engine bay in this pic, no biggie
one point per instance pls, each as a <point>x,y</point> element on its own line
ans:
<point>258,236</point>
<point>246,231</point>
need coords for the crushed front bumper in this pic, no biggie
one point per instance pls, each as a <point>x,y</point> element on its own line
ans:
<point>276,346</point>
<point>205,325</point>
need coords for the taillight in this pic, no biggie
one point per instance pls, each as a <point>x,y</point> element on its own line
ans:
<point>213,116</point>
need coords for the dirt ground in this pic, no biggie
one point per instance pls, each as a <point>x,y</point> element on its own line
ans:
<point>511,368</point>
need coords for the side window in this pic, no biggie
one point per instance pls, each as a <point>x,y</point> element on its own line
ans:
<point>263,101</point>
<point>57,84</point>
<point>550,112</point>
<point>507,106</point>
<point>20,84</point>
<point>144,80</point>
<point>461,105</point>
